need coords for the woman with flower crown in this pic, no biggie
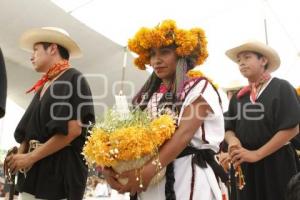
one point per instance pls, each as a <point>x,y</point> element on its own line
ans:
<point>189,156</point>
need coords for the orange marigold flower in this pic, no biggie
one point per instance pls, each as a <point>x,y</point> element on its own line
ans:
<point>188,42</point>
<point>197,74</point>
<point>127,143</point>
<point>194,74</point>
<point>298,91</point>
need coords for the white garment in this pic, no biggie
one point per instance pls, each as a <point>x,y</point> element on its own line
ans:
<point>117,196</point>
<point>101,190</point>
<point>27,196</point>
<point>206,186</point>
<point>263,88</point>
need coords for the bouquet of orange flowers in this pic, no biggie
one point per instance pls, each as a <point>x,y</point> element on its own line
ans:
<point>126,143</point>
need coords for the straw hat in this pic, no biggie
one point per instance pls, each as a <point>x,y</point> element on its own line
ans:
<point>52,35</point>
<point>259,47</point>
<point>233,85</point>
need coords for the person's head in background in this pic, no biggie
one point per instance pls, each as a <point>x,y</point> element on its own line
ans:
<point>232,87</point>
<point>3,85</point>
<point>293,188</point>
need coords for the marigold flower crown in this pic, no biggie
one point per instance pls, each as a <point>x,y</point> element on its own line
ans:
<point>298,91</point>
<point>190,44</point>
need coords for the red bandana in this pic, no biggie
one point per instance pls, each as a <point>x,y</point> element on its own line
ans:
<point>252,87</point>
<point>52,73</point>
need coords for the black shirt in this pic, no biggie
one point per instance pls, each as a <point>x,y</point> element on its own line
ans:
<point>62,174</point>
<point>276,109</point>
<point>3,85</point>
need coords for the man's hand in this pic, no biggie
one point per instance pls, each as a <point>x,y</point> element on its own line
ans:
<point>240,155</point>
<point>234,143</point>
<point>224,160</point>
<point>6,169</point>
<point>19,161</point>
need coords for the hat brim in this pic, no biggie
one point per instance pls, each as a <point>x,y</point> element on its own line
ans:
<point>233,85</point>
<point>268,52</point>
<point>232,88</point>
<point>33,36</point>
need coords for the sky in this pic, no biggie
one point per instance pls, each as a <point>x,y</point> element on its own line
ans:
<point>8,124</point>
<point>227,23</point>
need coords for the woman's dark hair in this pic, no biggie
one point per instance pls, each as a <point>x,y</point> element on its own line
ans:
<point>63,52</point>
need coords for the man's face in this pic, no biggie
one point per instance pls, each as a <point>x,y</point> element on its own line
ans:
<point>40,57</point>
<point>250,65</point>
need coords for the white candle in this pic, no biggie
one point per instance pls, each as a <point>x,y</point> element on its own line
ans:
<point>125,57</point>
<point>122,106</point>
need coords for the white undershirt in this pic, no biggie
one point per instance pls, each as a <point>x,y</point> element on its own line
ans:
<point>264,87</point>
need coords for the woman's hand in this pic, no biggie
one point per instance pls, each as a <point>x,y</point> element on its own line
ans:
<point>135,182</point>
<point>240,155</point>
<point>112,178</point>
<point>138,180</point>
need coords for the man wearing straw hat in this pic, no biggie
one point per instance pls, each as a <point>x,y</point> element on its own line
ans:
<point>54,127</point>
<point>262,118</point>
<point>3,85</point>
<point>232,87</point>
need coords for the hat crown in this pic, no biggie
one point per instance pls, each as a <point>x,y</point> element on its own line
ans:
<point>259,47</point>
<point>51,35</point>
<point>60,30</point>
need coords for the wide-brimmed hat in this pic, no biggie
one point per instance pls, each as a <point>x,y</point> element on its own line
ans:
<point>259,47</point>
<point>52,35</point>
<point>233,85</point>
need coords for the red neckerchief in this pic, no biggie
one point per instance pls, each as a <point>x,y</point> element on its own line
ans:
<point>252,87</point>
<point>55,70</point>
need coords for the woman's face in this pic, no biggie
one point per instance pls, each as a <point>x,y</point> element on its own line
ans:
<point>164,62</point>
